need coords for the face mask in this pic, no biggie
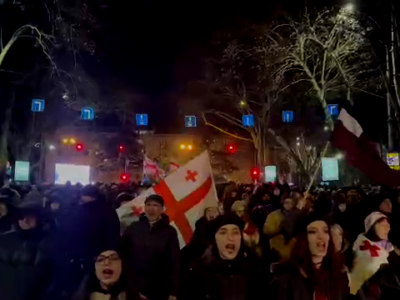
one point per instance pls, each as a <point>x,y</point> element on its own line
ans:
<point>342,207</point>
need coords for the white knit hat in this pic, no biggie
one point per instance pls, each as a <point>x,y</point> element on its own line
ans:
<point>372,219</point>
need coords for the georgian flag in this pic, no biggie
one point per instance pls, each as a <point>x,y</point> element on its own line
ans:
<point>361,152</point>
<point>152,169</point>
<point>186,193</point>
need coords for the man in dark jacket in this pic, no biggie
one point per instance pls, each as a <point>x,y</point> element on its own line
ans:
<point>81,234</point>
<point>25,261</point>
<point>385,283</point>
<point>151,249</point>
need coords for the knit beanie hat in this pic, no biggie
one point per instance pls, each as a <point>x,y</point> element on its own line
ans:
<point>90,191</point>
<point>372,218</point>
<point>303,222</point>
<point>227,219</point>
<point>239,204</point>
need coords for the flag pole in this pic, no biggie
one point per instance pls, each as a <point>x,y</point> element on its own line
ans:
<point>317,169</point>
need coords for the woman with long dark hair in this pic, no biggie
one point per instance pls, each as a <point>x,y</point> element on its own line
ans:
<point>316,271</point>
<point>226,271</point>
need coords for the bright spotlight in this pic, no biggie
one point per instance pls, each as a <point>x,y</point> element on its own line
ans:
<point>339,156</point>
<point>349,7</point>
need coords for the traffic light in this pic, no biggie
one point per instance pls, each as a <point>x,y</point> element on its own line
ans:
<point>121,148</point>
<point>79,147</point>
<point>124,177</point>
<point>231,148</point>
<point>255,174</point>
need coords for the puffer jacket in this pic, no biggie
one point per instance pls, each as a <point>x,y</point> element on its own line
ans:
<point>25,265</point>
<point>213,278</point>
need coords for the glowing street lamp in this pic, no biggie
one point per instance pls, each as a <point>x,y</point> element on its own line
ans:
<point>190,147</point>
<point>242,103</point>
<point>349,7</point>
<point>183,147</point>
<point>339,156</point>
<point>65,141</point>
<point>72,141</point>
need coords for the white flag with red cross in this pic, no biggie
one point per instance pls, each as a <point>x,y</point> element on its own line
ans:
<point>186,193</point>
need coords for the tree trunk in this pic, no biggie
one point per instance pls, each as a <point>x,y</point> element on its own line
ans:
<point>5,120</point>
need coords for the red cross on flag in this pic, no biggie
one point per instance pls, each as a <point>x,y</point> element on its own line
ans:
<point>186,193</point>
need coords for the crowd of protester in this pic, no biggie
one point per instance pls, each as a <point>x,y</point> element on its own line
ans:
<point>267,241</point>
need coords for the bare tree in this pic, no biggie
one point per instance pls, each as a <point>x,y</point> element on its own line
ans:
<point>330,50</point>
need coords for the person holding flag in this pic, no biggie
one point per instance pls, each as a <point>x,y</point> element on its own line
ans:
<point>151,251</point>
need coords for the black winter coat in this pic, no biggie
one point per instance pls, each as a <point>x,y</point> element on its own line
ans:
<point>80,235</point>
<point>6,224</point>
<point>213,278</point>
<point>120,291</point>
<point>152,257</point>
<point>201,240</point>
<point>385,284</point>
<point>88,230</point>
<point>291,285</point>
<point>25,265</point>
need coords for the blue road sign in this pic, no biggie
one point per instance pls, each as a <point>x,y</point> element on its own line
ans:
<point>87,113</point>
<point>37,105</point>
<point>190,121</point>
<point>248,120</point>
<point>142,119</point>
<point>287,116</point>
<point>333,109</point>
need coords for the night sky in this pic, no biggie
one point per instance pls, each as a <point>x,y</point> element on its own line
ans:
<point>156,47</point>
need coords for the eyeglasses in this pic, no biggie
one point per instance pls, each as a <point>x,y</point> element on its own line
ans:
<point>101,259</point>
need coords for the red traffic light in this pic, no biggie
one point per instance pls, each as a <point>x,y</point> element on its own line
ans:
<point>255,173</point>
<point>121,148</point>
<point>124,177</point>
<point>231,148</point>
<point>79,147</point>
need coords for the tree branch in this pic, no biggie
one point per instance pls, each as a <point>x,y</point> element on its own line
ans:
<point>224,131</point>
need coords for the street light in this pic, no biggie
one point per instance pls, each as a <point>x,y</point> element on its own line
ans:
<point>183,147</point>
<point>190,147</point>
<point>65,141</point>
<point>339,156</point>
<point>349,7</point>
<point>72,141</point>
<point>242,103</point>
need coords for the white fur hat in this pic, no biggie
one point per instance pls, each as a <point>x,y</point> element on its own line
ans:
<point>372,219</point>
